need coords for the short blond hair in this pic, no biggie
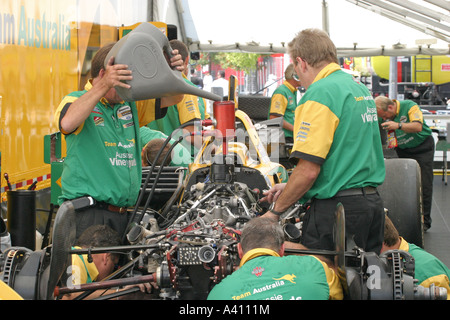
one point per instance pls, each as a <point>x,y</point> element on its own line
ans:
<point>383,102</point>
<point>313,46</point>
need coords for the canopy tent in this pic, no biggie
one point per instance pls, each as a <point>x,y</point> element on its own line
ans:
<point>357,27</point>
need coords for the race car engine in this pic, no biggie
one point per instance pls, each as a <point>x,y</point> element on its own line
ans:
<point>201,237</point>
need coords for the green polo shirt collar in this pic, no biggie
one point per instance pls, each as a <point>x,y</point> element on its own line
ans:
<point>326,71</point>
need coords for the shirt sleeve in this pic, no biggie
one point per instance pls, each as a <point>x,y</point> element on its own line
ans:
<point>146,111</point>
<point>278,104</point>
<point>415,114</point>
<point>334,283</point>
<point>61,111</point>
<point>188,109</point>
<point>314,130</point>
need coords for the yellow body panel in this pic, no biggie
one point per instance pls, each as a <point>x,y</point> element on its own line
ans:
<point>46,47</point>
<point>38,65</point>
<point>439,66</point>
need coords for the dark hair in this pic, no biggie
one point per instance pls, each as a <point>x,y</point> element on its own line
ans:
<point>391,235</point>
<point>152,148</point>
<point>99,236</point>
<point>262,233</point>
<point>181,47</point>
<point>222,73</point>
<point>98,62</point>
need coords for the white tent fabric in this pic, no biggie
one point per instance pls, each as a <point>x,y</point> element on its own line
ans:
<point>358,28</point>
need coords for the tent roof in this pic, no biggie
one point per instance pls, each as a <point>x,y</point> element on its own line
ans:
<point>357,27</point>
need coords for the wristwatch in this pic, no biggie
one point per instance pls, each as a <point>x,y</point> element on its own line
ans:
<point>271,209</point>
<point>400,126</point>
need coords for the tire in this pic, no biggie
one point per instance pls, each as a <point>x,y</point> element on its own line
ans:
<point>402,196</point>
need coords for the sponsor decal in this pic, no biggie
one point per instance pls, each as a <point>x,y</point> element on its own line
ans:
<point>287,277</point>
<point>124,113</point>
<point>120,144</point>
<point>291,100</point>
<point>277,105</point>
<point>370,115</point>
<point>445,67</point>
<point>258,271</point>
<point>242,295</point>
<point>190,106</point>
<point>128,145</point>
<point>99,121</point>
<point>97,110</point>
<point>46,31</point>
<point>302,133</point>
<point>278,282</point>
<point>268,287</point>
<point>123,160</point>
<point>362,98</point>
<point>110,144</point>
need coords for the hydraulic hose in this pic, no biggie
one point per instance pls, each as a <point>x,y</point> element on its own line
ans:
<point>206,122</point>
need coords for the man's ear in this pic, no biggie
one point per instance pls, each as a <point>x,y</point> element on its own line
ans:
<point>101,73</point>
<point>105,257</point>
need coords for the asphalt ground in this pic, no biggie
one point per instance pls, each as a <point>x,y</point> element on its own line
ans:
<point>437,238</point>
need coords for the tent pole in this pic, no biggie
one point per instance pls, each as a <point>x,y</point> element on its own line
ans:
<point>393,78</point>
<point>325,24</point>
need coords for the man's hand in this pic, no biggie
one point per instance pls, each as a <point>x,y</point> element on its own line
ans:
<point>273,193</point>
<point>176,61</point>
<point>115,74</point>
<point>389,125</point>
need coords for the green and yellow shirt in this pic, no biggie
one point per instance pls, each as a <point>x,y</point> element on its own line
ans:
<point>409,111</point>
<point>264,275</point>
<point>284,103</point>
<point>180,156</point>
<point>336,126</point>
<point>104,154</point>
<point>428,269</point>
<point>190,108</point>
<point>83,271</point>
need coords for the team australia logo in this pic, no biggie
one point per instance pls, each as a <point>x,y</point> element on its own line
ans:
<point>258,271</point>
<point>287,277</point>
<point>128,145</point>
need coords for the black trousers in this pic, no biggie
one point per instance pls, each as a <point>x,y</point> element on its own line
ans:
<point>364,222</point>
<point>424,155</point>
<point>96,215</point>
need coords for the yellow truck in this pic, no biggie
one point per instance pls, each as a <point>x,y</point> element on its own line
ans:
<point>46,47</point>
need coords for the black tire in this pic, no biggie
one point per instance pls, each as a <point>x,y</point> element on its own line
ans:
<point>402,196</point>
